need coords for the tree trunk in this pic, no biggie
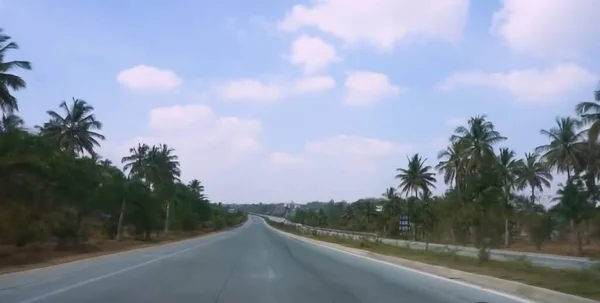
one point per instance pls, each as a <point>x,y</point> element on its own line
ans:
<point>167,217</point>
<point>120,224</point>
<point>576,238</point>
<point>506,233</point>
<point>573,240</point>
<point>588,233</point>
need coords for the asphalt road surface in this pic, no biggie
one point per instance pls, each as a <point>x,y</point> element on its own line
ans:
<point>253,263</point>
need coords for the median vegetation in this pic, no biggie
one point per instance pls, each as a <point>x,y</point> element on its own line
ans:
<point>59,198</point>
<point>582,283</point>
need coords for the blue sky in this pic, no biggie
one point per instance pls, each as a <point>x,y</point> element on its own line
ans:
<point>302,100</point>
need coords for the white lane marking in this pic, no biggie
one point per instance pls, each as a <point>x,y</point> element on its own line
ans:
<point>495,292</point>
<point>61,290</point>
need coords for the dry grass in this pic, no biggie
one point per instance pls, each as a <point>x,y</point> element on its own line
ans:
<point>579,283</point>
<point>556,248</point>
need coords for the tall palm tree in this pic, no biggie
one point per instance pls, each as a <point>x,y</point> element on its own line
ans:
<point>479,138</point>
<point>508,165</point>
<point>8,103</point>
<point>590,114</point>
<point>11,122</point>
<point>566,143</point>
<point>137,161</point>
<point>163,172</point>
<point>74,132</point>
<point>390,193</point>
<point>532,173</point>
<point>417,177</point>
<point>197,187</point>
<point>450,162</point>
<point>507,168</point>
<point>573,207</point>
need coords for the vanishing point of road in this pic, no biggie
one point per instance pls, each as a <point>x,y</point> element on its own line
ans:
<point>253,263</point>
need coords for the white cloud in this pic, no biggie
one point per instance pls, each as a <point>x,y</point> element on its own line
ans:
<point>314,84</point>
<point>227,155</point>
<point>563,28</point>
<point>259,91</point>
<point>381,23</point>
<point>279,158</point>
<point>312,53</point>
<point>366,88</point>
<point>343,154</point>
<point>206,143</point>
<point>456,121</point>
<point>249,90</point>
<point>527,85</point>
<point>143,78</point>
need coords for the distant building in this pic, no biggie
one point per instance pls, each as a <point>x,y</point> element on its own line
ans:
<point>378,208</point>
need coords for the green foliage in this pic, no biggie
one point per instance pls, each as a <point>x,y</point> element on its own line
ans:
<point>55,187</point>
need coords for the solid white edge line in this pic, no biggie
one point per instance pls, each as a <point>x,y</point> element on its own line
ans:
<point>64,289</point>
<point>441,278</point>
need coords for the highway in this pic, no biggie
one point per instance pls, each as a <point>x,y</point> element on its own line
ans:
<point>253,263</point>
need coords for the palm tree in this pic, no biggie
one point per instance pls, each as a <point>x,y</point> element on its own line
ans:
<point>532,173</point>
<point>163,172</point>
<point>574,207</point>
<point>565,145</point>
<point>507,168</point>
<point>391,207</point>
<point>590,114</point>
<point>76,131</point>
<point>417,177</point>
<point>450,162</point>
<point>390,194</point>
<point>197,187</point>
<point>482,184</point>
<point>11,122</point>
<point>479,139</point>
<point>8,103</point>
<point>137,162</point>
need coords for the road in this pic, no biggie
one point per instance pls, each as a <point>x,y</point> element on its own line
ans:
<point>253,263</point>
<point>546,260</point>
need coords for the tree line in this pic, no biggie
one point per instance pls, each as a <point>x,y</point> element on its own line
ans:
<point>54,186</point>
<point>493,195</point>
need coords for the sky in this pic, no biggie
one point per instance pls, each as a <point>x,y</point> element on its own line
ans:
<point>278,101</point>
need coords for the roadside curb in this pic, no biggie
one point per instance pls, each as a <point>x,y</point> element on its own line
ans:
<point>537,294</point>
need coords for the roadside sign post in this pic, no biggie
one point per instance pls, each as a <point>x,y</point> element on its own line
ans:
<point>404,226</point>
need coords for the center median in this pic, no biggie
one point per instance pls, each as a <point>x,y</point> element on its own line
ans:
<point>519,278</point>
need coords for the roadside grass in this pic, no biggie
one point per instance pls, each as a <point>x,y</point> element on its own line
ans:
<point>583,283</point>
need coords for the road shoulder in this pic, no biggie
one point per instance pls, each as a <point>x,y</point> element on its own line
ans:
<point>521,290</point>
